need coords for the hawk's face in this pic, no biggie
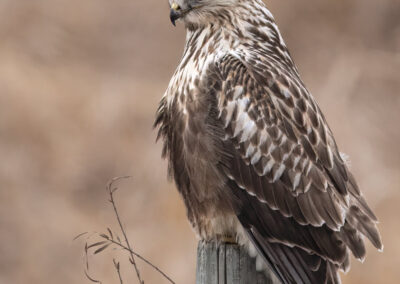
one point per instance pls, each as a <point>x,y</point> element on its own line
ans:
<point>197,12</point>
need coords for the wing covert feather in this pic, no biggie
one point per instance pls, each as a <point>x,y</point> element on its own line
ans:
<point>284,157</point>
<point>281,151</point>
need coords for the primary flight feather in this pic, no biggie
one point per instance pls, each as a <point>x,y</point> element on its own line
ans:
<point>251,152</point>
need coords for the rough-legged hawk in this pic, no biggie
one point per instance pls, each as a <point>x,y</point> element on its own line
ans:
<point>251,152</point>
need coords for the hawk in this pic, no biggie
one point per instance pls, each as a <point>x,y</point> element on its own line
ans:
<point>251,152</point>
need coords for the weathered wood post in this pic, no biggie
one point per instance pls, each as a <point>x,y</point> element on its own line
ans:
<point>228,264</point>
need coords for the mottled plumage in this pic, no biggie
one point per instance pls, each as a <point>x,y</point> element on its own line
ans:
<point>251,152</point>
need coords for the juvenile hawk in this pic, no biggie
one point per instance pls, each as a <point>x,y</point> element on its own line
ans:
<point>251,152</point>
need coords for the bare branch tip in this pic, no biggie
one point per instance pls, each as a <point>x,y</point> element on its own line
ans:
<point>80,235</point>
<point>114,180</point>
<point>91,278</point>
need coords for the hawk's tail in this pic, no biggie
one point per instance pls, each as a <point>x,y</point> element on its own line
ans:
<point>294,265</point>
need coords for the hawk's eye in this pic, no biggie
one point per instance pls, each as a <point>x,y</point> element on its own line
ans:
<point>175,7</point>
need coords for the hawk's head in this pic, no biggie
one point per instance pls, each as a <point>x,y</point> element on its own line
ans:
<point>198,12</point>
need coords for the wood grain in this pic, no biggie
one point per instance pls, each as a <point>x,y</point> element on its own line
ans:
<point>228,264</point>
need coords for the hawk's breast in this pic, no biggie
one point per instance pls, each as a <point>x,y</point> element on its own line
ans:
<point>193,143</point>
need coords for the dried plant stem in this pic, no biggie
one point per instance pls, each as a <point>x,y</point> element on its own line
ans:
<point>140,257</point>
<point>112,238</point>
<point>111,191</point>
<point>118,268</point>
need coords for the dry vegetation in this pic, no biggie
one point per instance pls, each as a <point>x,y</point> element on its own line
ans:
<point>96,242</point>
<point>79,85</point>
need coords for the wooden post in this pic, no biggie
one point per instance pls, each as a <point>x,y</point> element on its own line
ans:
<point>228,264</point>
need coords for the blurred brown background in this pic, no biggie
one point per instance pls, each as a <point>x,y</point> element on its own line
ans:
<point>79,85</point>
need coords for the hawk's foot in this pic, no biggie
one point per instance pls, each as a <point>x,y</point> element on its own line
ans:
<point>227,239</point>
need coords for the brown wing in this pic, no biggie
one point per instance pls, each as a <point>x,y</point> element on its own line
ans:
<point>291,187</point>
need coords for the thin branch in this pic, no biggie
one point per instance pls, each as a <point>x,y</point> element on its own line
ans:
<point>117,267</point>
<point>111,191</point>
<point>141,258</point>
<point>90,278</point>
<point>86,256</point>
<point>80,235</point>
<point>108,239</point>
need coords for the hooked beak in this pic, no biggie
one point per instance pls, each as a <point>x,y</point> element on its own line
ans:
<point>175,13</point>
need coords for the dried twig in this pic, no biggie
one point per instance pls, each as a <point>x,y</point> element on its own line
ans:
<point>111,191</point>
<point>91,278</point>
<point>113,239</point>
<point>118,243</point>
<point>80,235</point>
<point>117,267</point>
